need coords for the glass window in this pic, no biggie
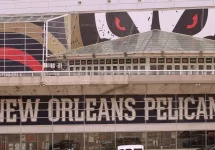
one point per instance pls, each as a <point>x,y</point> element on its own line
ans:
<point>208,67</point>
<point>169,67</point>
<point>108,61</point>
<point>142,67</point>
<point>76,140</point>
<point>161,140</point>
<point>102,68</point>
<point>153,67</point>
<point>114,67</point>
<point>71,62</point>
<point>13,141</point>
<point>161,60</point>
<point>160,67</point>
<point>77,68</point>
<point>95,67</point>
<point>89,68</point>
<point>208,60</point>
<point>108,67</point>
<point>44,141</point>
<point>184,60</point>
<point>192,60</point>
<point>83,68</point>
<point>168,60</point>
<point>177,60</point>
<point>200,60</point>
<point>115,61</point>
<point>83,62</point>
<point>191,139</point>
<point>185,67</point>
<point>121,67</point>
<point>2,142</point>
<point>135,60</point>
<point>142,60</point>
<point>62,141</point>
<point>192,67</point>
<point>95,62</point>
<point>102,61</point>
<point>177,67</point>
<point>128,67</point>
<point>77,62</point>
<point>135,67</point>
<point>121,61</point>
<point>71,68</point>
<point>128,61</point>
<point>153,60</point>
<point>201,67</point>
<point>89,62</point>
<point>29,141</point>
<point>100,141</point>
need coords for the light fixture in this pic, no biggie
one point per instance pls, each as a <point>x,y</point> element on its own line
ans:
<point>79,1</point>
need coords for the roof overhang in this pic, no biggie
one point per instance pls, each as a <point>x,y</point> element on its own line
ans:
<point>150,43</point>
<point>29,18</point>
<point>132,55</point>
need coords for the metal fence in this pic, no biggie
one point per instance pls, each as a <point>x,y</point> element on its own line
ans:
<point>106,72</point>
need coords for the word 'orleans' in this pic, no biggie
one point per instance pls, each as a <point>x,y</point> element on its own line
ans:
<point>123,109</point>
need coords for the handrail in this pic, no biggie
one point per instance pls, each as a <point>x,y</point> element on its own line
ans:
<point>106,72</point>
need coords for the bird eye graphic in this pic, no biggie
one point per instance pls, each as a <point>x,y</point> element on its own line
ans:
<point>194,23</point>
<point>191,21</point>
<point>121,24</point>
<point>117,21</point>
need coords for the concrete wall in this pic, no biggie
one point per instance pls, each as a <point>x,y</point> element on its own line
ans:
<point>108,85</point>
<point>44,6</point>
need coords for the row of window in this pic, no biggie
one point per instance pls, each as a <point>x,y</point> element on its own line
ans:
<point>110,140</point>
<point>108,61</point>
<point>141,61</point>
<point>144,67</point>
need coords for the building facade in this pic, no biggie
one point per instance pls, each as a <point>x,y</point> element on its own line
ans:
<point>156,93</point>
<point>153,89</point>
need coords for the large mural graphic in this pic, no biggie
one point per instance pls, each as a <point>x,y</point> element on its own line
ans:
<point>19,54</point>
<point>112,25</point>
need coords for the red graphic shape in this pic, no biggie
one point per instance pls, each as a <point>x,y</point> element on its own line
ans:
<point>118,25</point>
<point>21,57</point>
<point>195,20</point>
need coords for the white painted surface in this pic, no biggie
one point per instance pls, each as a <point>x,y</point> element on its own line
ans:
<point>49,6</point>
<point>149,127</point>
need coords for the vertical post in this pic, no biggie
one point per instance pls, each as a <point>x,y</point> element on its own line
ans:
<point>44,47</point>
<point>4,48</point>
<point>69,32</point>
<point>68,67</point>
<point>25,48</point>
<point>46,37</point>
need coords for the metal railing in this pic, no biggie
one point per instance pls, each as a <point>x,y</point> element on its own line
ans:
<point>106,72</point>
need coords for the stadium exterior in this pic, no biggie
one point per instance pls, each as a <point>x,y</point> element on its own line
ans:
<point>153,88</point>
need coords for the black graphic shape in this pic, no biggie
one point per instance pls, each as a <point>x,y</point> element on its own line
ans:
<point>23,48</point>
<point>89,33</point>
<point>192,21</point>
<point>57,29</point>
<point>13,66</point>
<point>211,37</point>
<point>17,41</point>
<point>155,21</point>
<point>121,24</point>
